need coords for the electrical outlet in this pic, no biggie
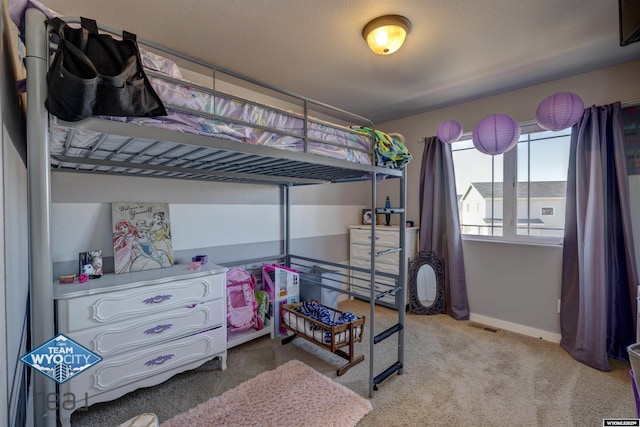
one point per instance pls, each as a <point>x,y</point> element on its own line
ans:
<point>558,306</point>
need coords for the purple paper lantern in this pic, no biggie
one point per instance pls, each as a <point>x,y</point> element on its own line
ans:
<point>559,111</point>
<point>496,134</point>
<point>449,131</point>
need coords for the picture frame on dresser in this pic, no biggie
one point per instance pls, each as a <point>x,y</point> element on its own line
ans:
<point>90,263</point>
<point>368,217</point>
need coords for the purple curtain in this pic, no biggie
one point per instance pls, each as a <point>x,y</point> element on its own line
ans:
<point>599,277</point>
<point>440,224</point>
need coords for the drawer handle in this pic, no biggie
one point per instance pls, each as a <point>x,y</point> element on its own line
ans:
<point>157,299</point>
<point>159,360</point>
<point>158,329</point>
<point>377,238</point>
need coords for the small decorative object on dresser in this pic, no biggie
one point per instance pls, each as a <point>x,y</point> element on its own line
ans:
<point>195,265</point>
<point>202,259</point>
<point>67,278</point>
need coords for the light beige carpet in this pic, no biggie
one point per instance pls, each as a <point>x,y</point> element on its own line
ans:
<point>456,374</point>
<point>293,394</point>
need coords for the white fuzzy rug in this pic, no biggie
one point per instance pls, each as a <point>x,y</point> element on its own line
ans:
<point>293,394</point>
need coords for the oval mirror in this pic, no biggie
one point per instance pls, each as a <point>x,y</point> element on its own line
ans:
<point>426,284</point>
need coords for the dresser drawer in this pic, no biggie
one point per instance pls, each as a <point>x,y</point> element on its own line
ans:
<point>93,310</point>
<point>361,282</point>
<point>386,238</point>
<point>385,268</point>
<point>130,368</point>
<point>390,299</point>
<point>146,331</point>
<point>363,252</point>
<point>382,283</point>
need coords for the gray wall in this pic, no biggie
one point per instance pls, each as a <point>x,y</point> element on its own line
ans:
<point>518,286</point>
<point>14,255</point>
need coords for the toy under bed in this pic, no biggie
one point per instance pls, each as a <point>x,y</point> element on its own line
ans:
<point>330,337</point>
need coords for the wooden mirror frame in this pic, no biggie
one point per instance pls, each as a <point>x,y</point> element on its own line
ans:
<point>415,306</point>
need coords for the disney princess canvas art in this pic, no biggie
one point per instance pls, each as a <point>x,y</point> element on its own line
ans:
<point>141,236</point>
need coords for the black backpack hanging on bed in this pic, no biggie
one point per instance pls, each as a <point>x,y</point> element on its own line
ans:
<point>95,74</point>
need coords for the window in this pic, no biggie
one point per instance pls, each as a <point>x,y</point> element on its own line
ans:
<point>546,211</point>
<point>526,185</point>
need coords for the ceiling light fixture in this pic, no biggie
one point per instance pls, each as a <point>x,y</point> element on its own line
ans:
<point>386,34</point>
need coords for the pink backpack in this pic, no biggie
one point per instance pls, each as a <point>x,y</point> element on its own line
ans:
<point>242,308</point>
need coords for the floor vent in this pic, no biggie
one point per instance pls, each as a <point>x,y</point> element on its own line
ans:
<point>483,327</point>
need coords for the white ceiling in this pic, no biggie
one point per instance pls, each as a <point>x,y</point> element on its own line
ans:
<point>457,50</point>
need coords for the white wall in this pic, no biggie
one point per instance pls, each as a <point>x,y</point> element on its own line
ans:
<point>504,290</point>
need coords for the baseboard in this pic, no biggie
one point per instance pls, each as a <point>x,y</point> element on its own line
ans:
<point>515,327</point>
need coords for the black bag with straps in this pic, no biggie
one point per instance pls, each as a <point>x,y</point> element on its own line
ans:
<point>95,74</point>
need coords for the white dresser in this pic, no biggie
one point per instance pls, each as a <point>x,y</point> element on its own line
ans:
<point>387,237</point>
<point>147,326</point>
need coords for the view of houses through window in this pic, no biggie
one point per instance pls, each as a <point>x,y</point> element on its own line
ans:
<point>526,185</point>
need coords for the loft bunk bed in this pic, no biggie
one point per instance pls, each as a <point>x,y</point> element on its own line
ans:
<point>226,144</point>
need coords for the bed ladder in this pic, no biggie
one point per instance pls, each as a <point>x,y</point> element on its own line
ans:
<point>397,366</point>
<point>399,291</point>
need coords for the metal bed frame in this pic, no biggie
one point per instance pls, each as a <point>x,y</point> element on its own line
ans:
<point>227,161</point>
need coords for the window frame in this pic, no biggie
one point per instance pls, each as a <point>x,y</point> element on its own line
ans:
<point>510,201</point>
